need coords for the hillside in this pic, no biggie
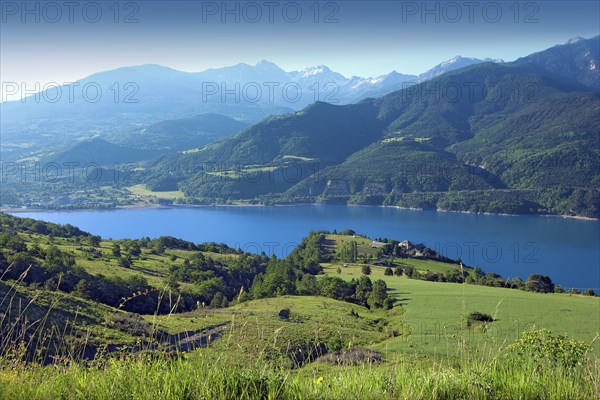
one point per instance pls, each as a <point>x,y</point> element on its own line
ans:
<point>252,324</point>
<point>60,269</point>
<point>180,134</point>
<point>98,151</point>
<point>521,137</point>
<point>576,60</point>
<point>321,134</point>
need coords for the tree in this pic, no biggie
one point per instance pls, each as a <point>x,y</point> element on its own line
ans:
<point>388,272</point>
<point>378,294</point>
<point>210,287</point>
<point>93,240</point>
<point>366,270</point>
<point>159,246</point>
<point>279,279</point>
<point>13,242</point>
<point>307,285</point>
<point>116,250</point>
<point>257,287</point>
<point>476,276</point>
<point>135,250</point>
<point>454,275</point>
<point>589,292</point>
<point>336,288</point>
<point>539,283</point>
<point>558,289</point>
<point>57,261</point>
<point>349,251</point>
<point>388,303</point>
<point>40,227</point>
<point>125,262</point>
<point>517,283</point>
<point>311,267</point>
<point>363,289</point>
<point>217,300</point>
<point>398,271</point>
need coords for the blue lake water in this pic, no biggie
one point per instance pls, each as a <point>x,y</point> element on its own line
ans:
<point>568,250</point>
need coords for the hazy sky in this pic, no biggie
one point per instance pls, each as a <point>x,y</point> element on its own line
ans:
<point>64,41</point>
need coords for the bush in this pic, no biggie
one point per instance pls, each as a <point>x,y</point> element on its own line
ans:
<point>124,262</point>
<point>589,292</point>
<point>539,283</point>
<point>546,350</point>
<point>284,314</point>
<point>366,270</point>
<point>388,303</point>
<point>477,316</point>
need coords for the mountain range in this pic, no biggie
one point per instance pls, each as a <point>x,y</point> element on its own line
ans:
<point>109,103</point>
<point>468,135</point>
<point>519,137</point>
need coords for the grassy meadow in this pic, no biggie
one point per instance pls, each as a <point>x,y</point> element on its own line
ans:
<point>298,347</point>
<point>434,313</point>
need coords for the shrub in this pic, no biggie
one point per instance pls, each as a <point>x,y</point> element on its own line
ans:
<point>546,350</point>
<point>219,301</point>
<point>539,283</point>
<point>284,314</point>
<point>366,270</point>
<point>378,295</point>
<point>124,262</point>
<point>411,272</point>
<point>477,316</point>
<point>116,250</point>
<point>388,303</point>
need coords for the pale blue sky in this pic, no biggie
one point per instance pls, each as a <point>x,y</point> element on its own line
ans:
<point>360,38</point>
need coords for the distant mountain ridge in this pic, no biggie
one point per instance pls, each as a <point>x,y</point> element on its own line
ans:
<point>525,140</point>
<point>577,60</point>
<point>130,97</point>
<point>148,142</point>
<point>98,152</point>
<point>179,134</point>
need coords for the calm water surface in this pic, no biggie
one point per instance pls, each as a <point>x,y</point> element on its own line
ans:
<point>565,249</point>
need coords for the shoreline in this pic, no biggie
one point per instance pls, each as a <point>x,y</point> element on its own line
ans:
<point>174,206</point>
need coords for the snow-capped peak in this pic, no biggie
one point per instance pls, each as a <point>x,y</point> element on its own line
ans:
<point>494,60</point>
<point>451,61</point>
<point>311,71</point>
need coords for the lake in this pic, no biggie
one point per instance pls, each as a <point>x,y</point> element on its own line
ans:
<point>566,249</point>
